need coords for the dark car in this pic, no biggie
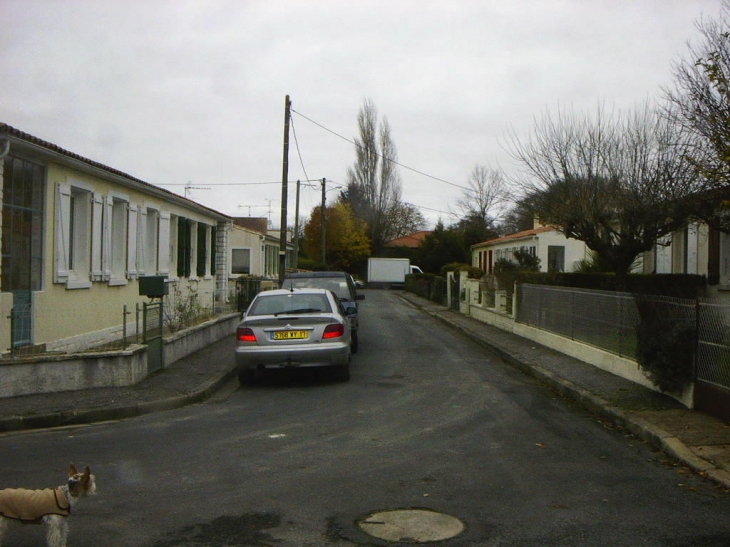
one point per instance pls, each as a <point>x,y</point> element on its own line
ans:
<point>340,283</point>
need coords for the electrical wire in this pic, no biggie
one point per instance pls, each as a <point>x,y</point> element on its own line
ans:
<point>381,157</point>
<point>299,152</point>
<point>238,183</point>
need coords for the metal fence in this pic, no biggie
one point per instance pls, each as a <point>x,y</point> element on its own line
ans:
<point>713,343</point>
<point>435,288</point>
<point>604,319</point>
<point>611,321</point>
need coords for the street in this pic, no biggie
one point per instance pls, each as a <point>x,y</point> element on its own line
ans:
<point>429,420</point>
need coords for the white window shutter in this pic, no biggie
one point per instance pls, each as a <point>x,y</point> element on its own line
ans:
<point>106,234</point>
<point>132,217</point>
<point>163,251</point>
<point>142,241</point>
<point>97,210</point>
<point>63,225</point>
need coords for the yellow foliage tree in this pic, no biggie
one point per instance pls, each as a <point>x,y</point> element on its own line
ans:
<point>346,240</point>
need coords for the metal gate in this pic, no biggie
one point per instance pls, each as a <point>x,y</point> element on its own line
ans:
<point>712,387</point>
<point>454,292</point>
<point>21,320</point>
<point>152,335</point>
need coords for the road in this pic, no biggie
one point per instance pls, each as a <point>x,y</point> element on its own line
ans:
<point>429,420</point>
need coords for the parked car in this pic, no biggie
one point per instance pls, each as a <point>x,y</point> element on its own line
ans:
<point>340,283</point>
<point>293,328</point>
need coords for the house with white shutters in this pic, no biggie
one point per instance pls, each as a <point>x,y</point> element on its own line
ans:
<point>77,236</point>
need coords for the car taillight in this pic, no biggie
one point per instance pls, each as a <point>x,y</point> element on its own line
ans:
<point>333,331</point>
<point>244,334</point>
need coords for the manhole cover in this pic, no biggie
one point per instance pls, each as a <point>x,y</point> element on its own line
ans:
<point>411,525</point>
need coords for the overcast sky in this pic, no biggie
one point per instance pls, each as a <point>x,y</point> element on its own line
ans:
<point>192,92</point>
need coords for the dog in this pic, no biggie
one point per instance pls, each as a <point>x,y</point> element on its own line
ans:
<point>50,507</point>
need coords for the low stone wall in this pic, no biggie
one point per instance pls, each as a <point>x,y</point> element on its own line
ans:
<point>70,372</point>
<point>183,343</point>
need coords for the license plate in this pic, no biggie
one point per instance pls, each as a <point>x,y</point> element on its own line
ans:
<point>289,335</point>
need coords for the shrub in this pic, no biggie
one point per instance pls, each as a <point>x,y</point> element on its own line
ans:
<point>665,346</point>
<point>506,272</point>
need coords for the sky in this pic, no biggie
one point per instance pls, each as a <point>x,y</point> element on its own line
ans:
<point>189,95</point>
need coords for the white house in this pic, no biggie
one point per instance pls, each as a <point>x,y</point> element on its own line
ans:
<point>78,235</point>
<point>696,249</point>
<point>556,252</point>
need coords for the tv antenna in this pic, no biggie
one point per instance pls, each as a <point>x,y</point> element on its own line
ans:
<point>189,186</point>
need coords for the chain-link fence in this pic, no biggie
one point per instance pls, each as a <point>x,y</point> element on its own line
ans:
<point>713,343</point>
<point>613,321</point>
<point>607,320</point>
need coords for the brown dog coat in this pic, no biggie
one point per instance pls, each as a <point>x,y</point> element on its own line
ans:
<point>32,505</point>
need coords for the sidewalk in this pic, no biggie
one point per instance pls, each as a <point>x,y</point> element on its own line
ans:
<point>697,440</point>
<point>189,380</point>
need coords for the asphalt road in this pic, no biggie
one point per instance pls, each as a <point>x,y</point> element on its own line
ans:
<point>429,420</point>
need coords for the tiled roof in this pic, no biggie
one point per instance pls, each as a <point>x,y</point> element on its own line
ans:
<point>410,240</point>
<point>517,235</point>
<point>257,224</point>
<point>8,131</point>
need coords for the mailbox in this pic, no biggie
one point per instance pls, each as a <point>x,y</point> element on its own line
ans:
<point>153,286</point>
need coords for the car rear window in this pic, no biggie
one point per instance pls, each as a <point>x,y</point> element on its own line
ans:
<point>336,285</point>
<point>290,304</point>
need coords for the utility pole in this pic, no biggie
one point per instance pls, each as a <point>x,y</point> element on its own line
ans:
<point>296,230</point>
<point>284,180</point>
<point>324,223</point>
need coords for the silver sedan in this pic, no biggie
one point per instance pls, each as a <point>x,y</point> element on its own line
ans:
<point>293,329</point>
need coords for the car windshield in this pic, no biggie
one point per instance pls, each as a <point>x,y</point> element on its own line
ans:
<point>290,304</point>
<point>334,284</point>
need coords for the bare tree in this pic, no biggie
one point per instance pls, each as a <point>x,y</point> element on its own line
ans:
<point>617,182</point>
<point>484,200</point>
<point>374,185</point>
<point>700,104</point>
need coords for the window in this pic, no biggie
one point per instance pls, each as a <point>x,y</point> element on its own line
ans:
<point>663,255</point>
<point>74,228</point>
<point>79,233</point>
<point>150,229</point>
<point>201,262</point>
<point>117,208</point>
<point>241,261</point>
<point>184,246</point>
<point>556,258</point>
<point>213,242</point>
<point>22,224</point>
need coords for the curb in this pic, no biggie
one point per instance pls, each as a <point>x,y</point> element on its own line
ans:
<point>88,416</point>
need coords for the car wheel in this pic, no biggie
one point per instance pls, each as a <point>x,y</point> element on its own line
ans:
<point>342,373</point>
<point>354,342</point>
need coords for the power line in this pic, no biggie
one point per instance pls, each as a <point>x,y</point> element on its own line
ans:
<point>381,157</point>
<point>237,183</point>
<point>299,152</point>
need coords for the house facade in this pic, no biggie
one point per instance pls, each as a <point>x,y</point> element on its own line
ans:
<point>556,252</point>
<point>76,238</point>
<point>696,249</point>
<point>254,249</point>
